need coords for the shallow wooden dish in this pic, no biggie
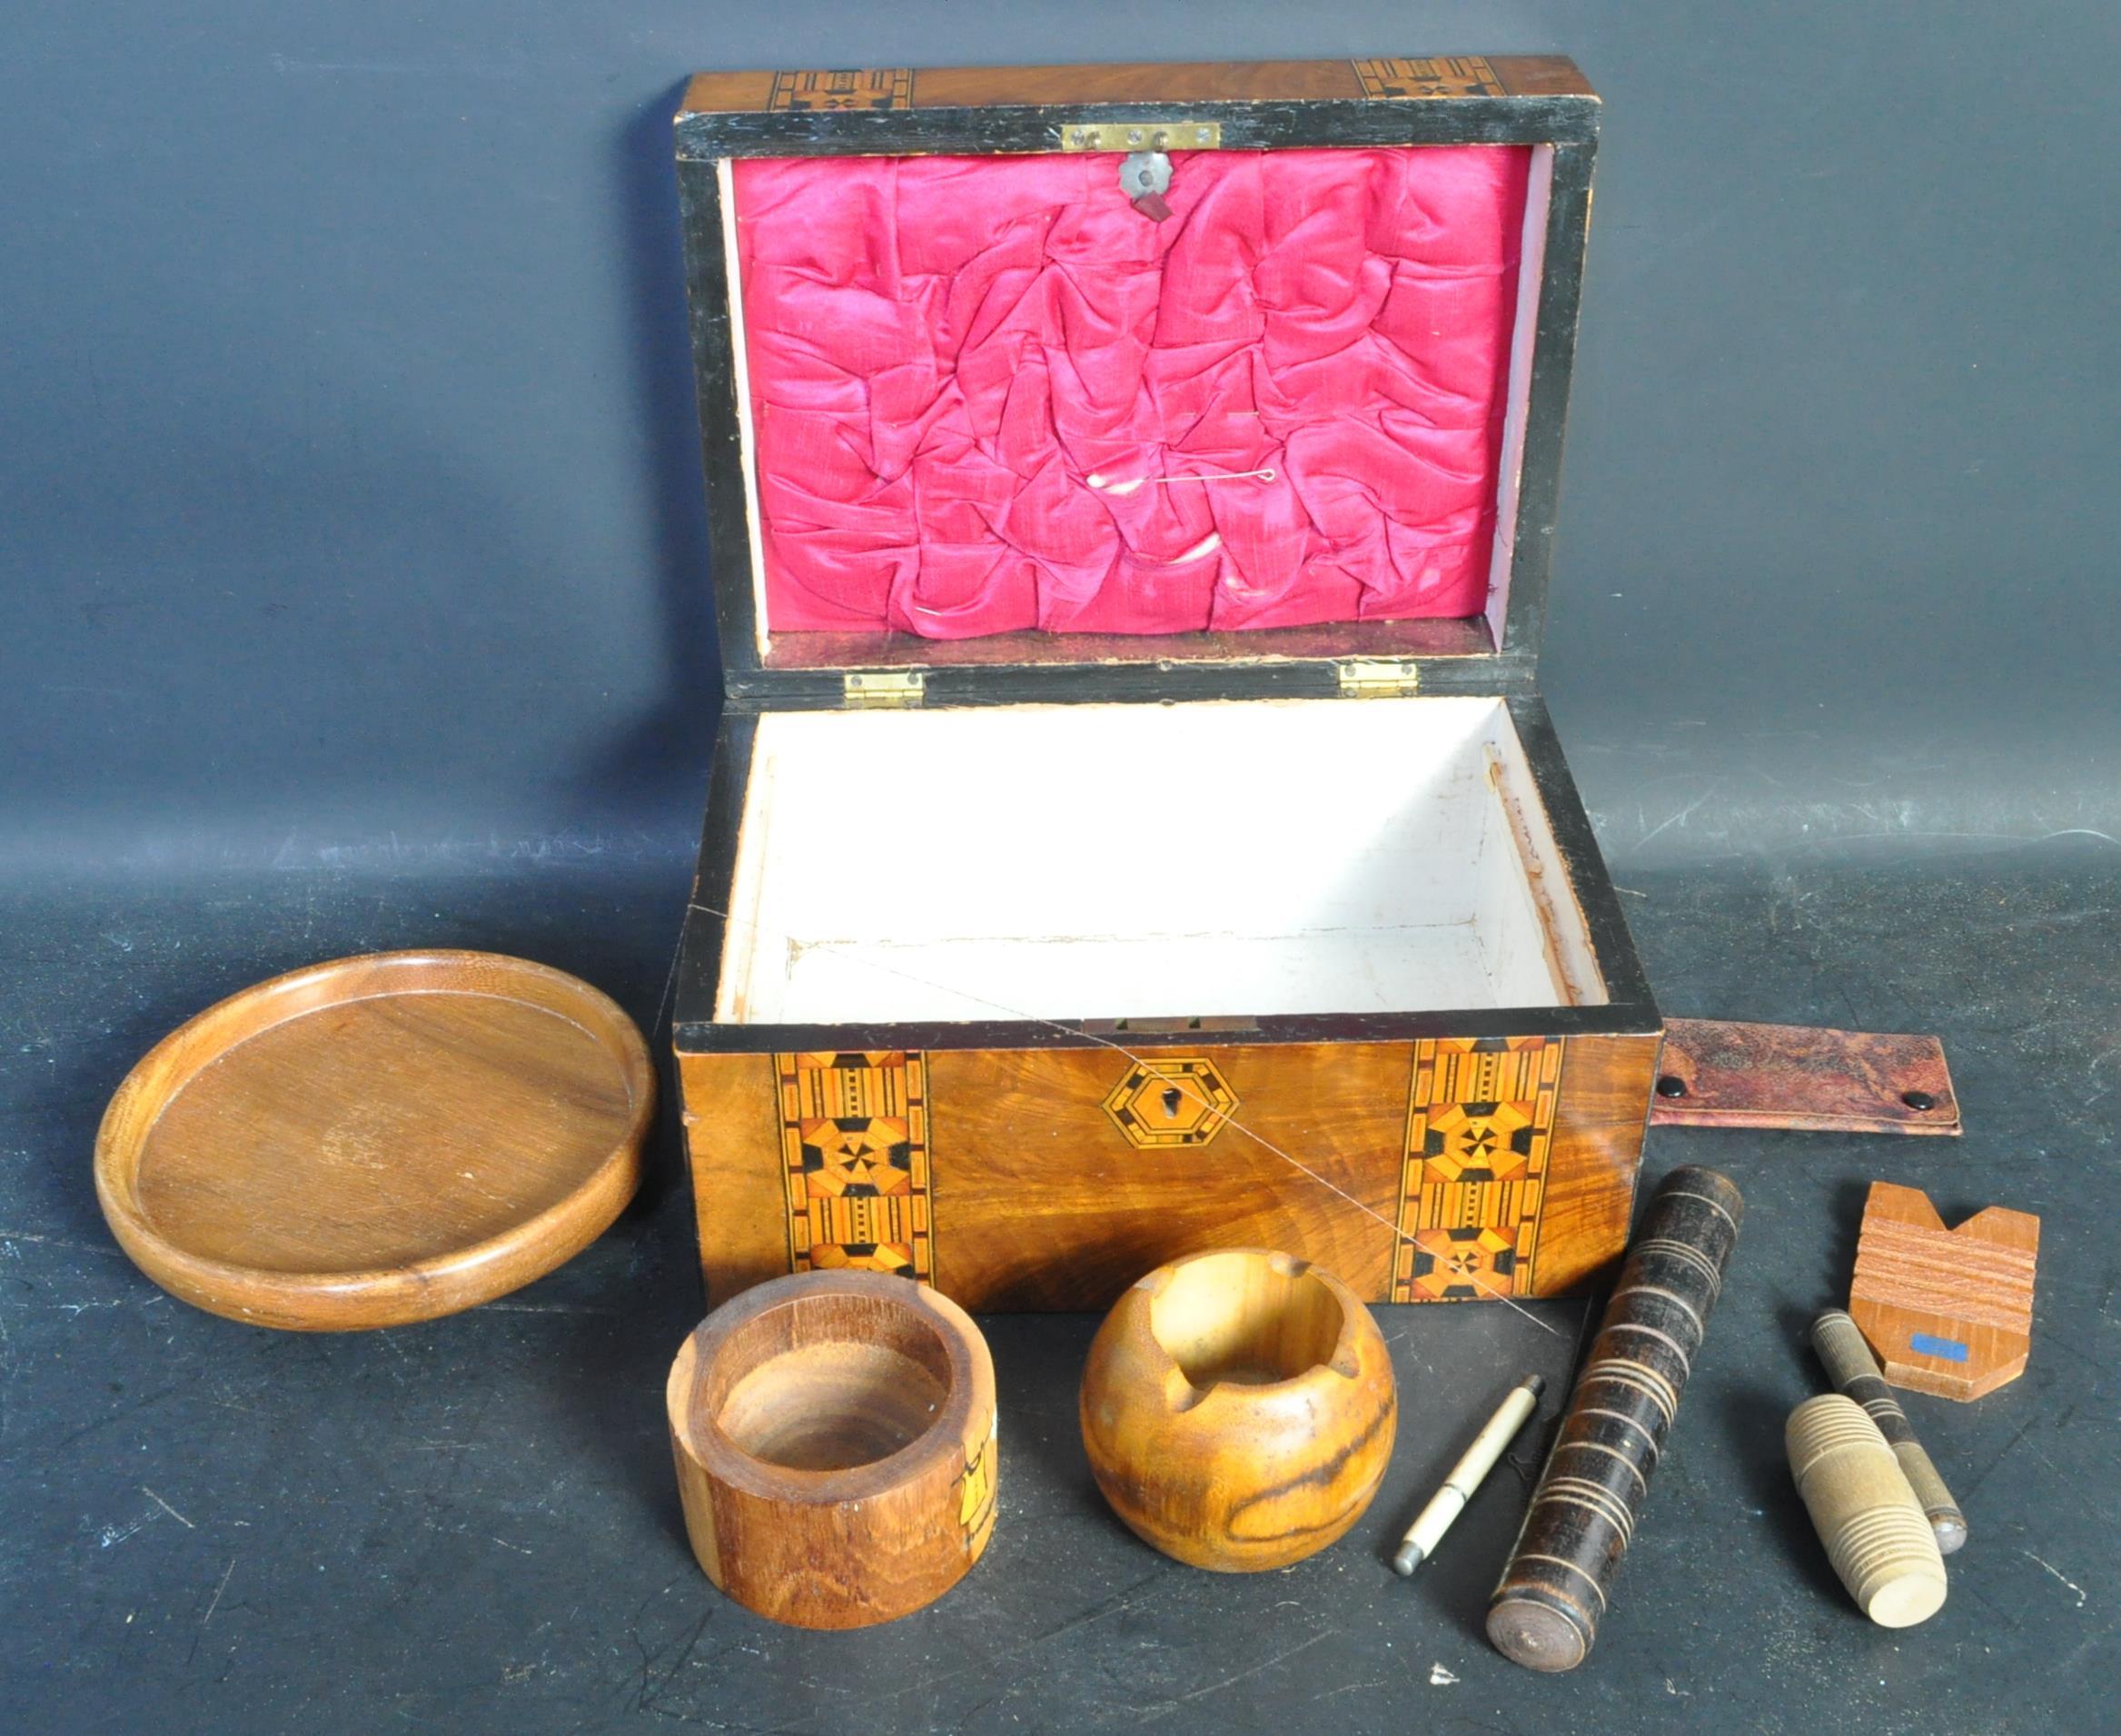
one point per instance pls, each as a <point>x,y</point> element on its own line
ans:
<point>835,1441</point>
<point>377,1140</point>
<point>1239,1408</point>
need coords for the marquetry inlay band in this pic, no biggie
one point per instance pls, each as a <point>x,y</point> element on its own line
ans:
<point>854,1129</point>
<point>863,87</point>
<point>1480,1124</point>
<point>976,1491</point>
<point>1430,75</point>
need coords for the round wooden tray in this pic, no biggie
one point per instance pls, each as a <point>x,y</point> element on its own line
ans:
<point>377,1140</point>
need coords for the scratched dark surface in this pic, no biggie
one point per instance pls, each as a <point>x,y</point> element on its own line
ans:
<point>350,480</point>
<point>472,1522</point>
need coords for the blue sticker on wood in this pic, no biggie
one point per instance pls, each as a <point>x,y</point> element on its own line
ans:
<point>1949,1349</point>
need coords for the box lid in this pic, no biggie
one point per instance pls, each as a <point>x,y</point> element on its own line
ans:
<point>978,426</point>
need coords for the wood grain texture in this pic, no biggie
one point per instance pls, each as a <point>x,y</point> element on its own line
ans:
<point>1717,1074</point>
<point>740,1193</point>
<point>1593,1160</point>
<point>1949,1312</point>
<point>1139,82</point>
<point>1546,1610</point>
<point>1042,1202</point>
<point>1238,1409</point>
<point>1042,1199</point>
<point>377,1140</point>
<point>834,1440</point>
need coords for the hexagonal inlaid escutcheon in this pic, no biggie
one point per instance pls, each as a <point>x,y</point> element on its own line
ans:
<point>1170,1100</point>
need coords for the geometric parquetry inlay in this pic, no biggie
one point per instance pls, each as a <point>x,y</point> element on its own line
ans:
<point>1480,1120</point>
<point>1170,1100</point>
<point>1432,76</point>
<point>842,87</point>
<point>854,1152</point>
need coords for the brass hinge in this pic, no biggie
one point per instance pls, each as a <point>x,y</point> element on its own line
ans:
<point>1141,136</point>
<point>1378,678</point>
<point>883,690</point>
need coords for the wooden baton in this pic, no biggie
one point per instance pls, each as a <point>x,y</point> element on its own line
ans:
<point>1545,1612</point>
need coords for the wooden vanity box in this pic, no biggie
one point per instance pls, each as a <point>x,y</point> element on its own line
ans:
<point>1134,825</point>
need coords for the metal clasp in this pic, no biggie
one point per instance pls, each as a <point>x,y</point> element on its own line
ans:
<point>1141,136</point>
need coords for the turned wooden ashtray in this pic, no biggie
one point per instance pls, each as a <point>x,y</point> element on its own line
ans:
<point>834,1440</point>
<point>1239,1408</point>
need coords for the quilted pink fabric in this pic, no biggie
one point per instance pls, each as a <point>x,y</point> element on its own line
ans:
<point>979,387</point>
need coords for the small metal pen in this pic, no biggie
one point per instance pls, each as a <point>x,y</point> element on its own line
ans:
<point>1466,1475</point>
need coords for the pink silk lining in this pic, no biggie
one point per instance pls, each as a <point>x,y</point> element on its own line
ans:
<point>959,365</point>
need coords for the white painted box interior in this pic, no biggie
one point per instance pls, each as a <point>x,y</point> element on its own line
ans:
<point>1216,859</point>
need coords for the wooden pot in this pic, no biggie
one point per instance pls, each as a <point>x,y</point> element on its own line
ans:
<point>834,1440</point>
<point>1238,1408</point>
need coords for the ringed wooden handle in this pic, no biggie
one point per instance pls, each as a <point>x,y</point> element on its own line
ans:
<point>1875,1532</point>
<point>1849,1365</point>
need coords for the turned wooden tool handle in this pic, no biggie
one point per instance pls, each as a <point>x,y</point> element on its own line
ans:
<point>1875,1532</point>
<point>1546,1610</point>
<point>1849,1365</point>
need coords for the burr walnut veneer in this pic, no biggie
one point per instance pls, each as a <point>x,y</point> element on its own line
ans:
<point>1134,826</point>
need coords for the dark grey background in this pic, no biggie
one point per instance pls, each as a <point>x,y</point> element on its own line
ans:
<point>353,583</point>
<point>347,479</point>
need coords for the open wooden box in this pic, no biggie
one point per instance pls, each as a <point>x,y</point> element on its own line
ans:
<point>1134,826</point>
